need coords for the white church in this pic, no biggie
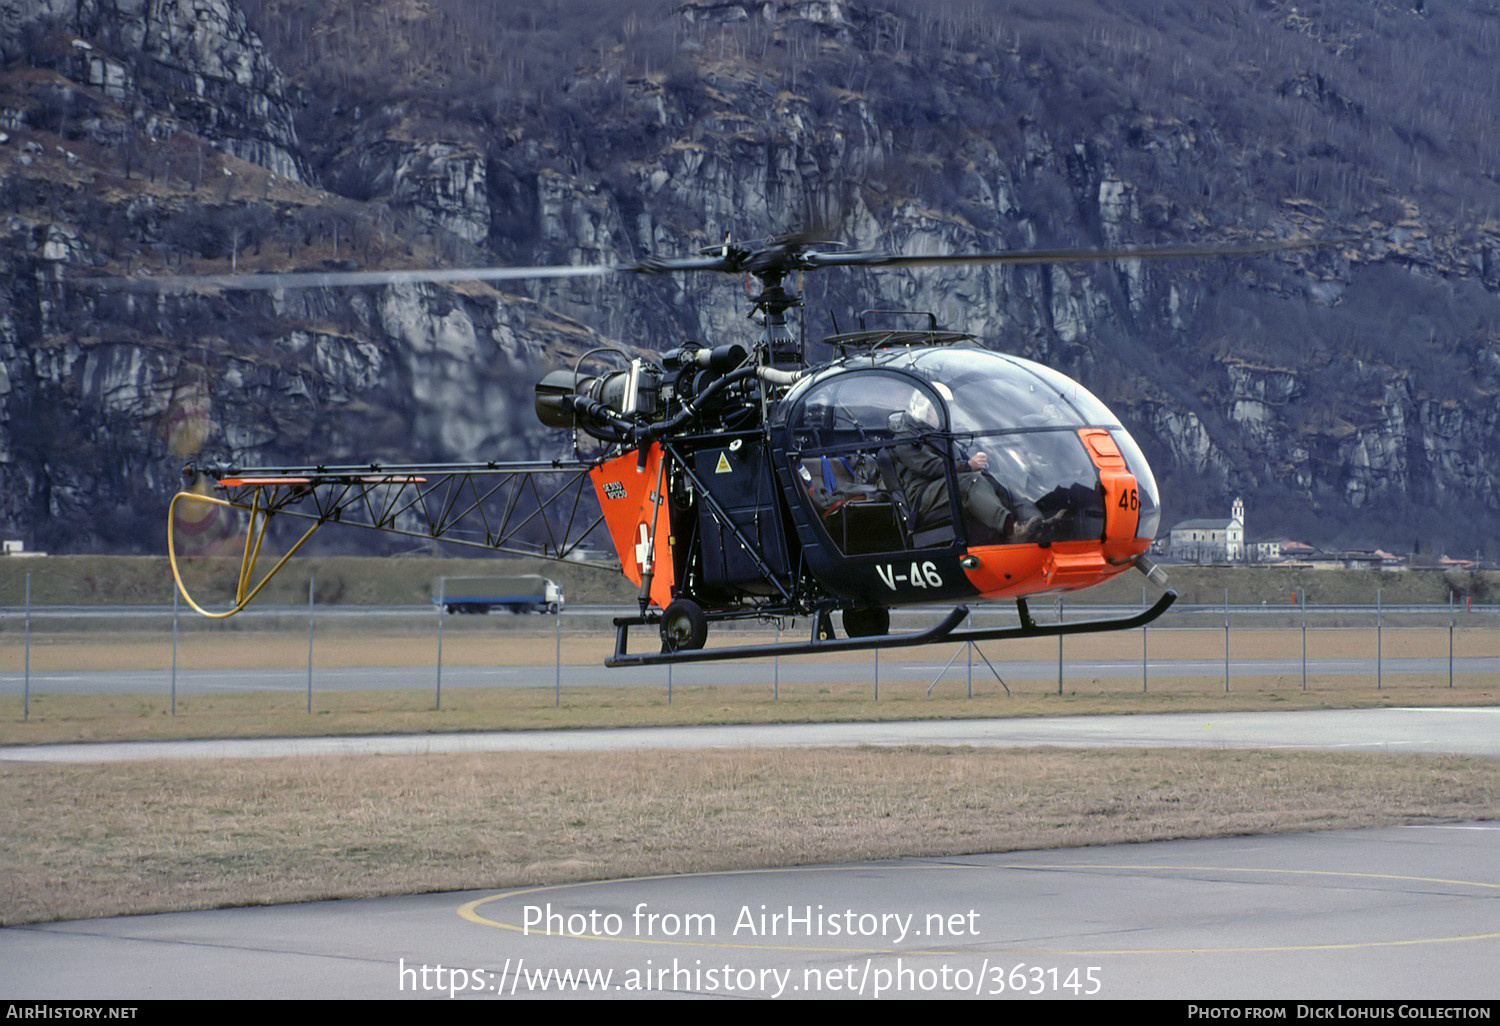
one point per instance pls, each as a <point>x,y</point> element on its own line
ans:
<point>1210,540</point>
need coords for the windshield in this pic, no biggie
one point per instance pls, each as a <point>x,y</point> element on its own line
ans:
<point>995,392</point>
<point>989,393</point>
<point>899,451</point>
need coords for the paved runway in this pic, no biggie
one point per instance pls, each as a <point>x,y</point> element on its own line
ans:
<point>1399,913</point>
<point>1395,913</point>
<point>1462,730</point>
<point>754,673</point>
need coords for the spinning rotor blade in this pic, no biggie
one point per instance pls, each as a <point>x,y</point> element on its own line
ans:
<point>731,263</point>
<point>784,256</point>
<point>1055,256</point>
<point>338,279</point>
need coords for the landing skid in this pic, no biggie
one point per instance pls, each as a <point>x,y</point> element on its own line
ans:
<point>946,630</point>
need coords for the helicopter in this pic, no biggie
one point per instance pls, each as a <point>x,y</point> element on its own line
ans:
<point>740,482</point>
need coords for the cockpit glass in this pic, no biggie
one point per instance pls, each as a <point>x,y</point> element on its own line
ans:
<point>1044,479</point>
<point>922,448</point>
<point>1067,391</point>
<point>855,434</point>
<point>851,407</point>
<point>989,392</point>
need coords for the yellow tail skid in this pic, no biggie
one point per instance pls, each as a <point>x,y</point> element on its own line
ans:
<point>255,535</point>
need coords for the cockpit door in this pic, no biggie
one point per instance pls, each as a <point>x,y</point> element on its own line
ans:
<point>875,464</point>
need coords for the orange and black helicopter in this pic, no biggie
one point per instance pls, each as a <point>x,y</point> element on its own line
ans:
<point>736,481</point>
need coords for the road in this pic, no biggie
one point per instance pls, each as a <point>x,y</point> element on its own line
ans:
<point>1466,731</point>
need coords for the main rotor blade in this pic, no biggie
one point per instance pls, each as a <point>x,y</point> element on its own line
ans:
<point>344,279</point>
<point>672,265</point>
<point>786,257</point>
<point>1058,256</point>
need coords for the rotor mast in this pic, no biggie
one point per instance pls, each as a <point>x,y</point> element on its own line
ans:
<point>778,346</point>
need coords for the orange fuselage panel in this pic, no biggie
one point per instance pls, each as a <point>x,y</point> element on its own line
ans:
<point>632,495</point>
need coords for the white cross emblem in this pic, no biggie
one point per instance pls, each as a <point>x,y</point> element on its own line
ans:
<point>643,548</point>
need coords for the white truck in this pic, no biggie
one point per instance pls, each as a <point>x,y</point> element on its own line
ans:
<point>528,593</point>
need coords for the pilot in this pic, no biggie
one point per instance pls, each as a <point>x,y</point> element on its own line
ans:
<point>992,512</point>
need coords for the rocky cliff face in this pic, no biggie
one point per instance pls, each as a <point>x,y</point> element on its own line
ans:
<point>1347,392</point>
<point>170,65</point>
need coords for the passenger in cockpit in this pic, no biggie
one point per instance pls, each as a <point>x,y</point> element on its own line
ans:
<point>991,511</point>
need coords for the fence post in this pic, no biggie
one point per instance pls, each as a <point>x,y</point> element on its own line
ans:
<point>1450,639</point>
<point>1302,600</point>
<point>969,655</point>
<point>1226,641</point>
<point>310,579</point>
<point>1144,661</point>
<point>442,610</point>
<point>1379,661</point>
<point>175,614</point>
<point>26,689</point>
<point>1059,647</point>
<point>776,671</point>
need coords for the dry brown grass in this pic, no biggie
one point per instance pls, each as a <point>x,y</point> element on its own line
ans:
<point>90,840</point>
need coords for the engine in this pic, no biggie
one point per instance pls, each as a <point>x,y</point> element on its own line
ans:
<point>693,387</point>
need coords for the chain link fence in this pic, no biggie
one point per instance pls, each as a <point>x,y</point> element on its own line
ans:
<point>167,650</point>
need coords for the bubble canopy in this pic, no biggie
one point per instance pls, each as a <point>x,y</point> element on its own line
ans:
<point>1026,415</point>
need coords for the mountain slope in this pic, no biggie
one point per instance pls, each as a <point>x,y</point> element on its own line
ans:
<point>1349,392</point>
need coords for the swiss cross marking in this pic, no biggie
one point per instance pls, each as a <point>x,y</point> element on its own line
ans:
<point>643,547</point>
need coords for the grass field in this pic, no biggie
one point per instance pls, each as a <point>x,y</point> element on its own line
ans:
<point>91,840</point>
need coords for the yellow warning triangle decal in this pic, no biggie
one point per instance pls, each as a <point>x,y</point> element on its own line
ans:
<point>723,465</point>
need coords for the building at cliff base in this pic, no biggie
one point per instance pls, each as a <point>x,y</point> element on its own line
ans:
<point>1210,540</point>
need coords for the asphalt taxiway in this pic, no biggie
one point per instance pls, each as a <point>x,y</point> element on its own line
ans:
<point>1399,913</point>
<point>1450,729</point>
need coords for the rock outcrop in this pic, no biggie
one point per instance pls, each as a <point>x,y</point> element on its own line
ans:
<point>1351,388</point>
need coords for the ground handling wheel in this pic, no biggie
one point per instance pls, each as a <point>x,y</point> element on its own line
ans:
<point>684,626</point>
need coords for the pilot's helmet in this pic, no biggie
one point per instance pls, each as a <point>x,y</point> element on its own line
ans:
<point>920,407</point>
